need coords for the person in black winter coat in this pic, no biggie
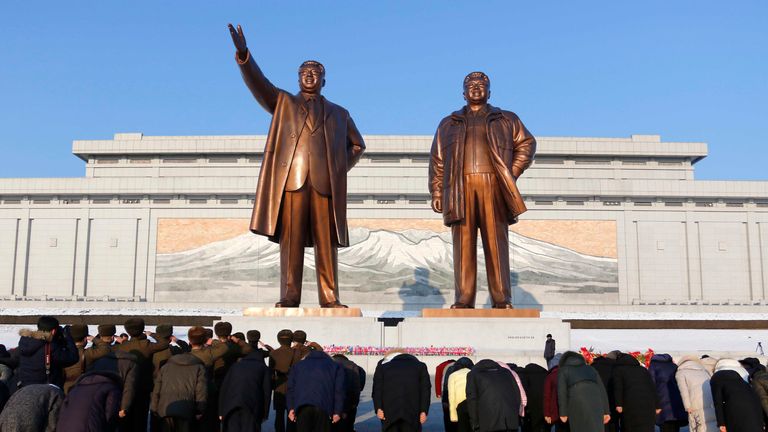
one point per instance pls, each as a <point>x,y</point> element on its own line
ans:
<point>245,394</point>
<point>673,415</point>
<point>635,394</point>
<point>604,367</point>
<point>92,404</point>
<point>33,346</point>
<point>401,392</point>
<point>535,376</point>
<point>315,392</point>
<point>493,398</point>
<point>354,382</point>
<point>736,405</point>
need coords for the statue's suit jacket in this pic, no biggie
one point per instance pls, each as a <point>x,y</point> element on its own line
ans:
<point>512,149</point>
<point>344,146</point>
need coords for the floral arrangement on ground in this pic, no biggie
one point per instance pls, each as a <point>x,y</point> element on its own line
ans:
<point>644,358</point>
<point>381,351</point>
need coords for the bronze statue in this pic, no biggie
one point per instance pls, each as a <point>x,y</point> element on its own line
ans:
<point>301,197</point>
<point>478,153</point>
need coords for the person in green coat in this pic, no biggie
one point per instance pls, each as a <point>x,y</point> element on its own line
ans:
<point>581,396</point>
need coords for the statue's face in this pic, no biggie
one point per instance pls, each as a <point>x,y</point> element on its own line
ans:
<point>311,79</point>
<point>477,91</point>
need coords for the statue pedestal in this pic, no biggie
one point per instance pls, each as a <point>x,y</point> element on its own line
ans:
<point>303,312</point>
<point>480,313</point>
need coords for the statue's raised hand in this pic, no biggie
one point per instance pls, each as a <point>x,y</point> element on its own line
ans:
<point>238,38</point>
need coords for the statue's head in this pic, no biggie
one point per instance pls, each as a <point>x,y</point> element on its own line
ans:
<point>477,88</point>
<point>311,76</point>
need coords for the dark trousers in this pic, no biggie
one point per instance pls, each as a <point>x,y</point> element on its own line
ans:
<point>463,424</point>
<point>178,424</point>
<point>562,427</point>
<point>447,423</point>
<point>136,418</point>
<point>403,426</point>
<point>241,420</point>
<point>670,426</point>
<point>484,210</point>
<point>280,418</point>
<point>306,213</point>
<point>311,419</point>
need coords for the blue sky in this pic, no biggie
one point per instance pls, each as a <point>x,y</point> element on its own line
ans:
<point>687,70</point>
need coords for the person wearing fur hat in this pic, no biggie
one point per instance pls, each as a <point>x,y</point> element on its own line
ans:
<point>43,354</point>
<point>280,362</point>
<point>79,333</point>
<point>300,343</point>
<point>144,350</point>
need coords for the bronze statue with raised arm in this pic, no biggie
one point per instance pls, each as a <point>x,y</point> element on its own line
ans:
<point>301,197</point>
<point>478,154</point>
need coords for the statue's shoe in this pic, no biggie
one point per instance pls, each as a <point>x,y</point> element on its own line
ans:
<point>286,304</point>
<point>335,305</point>
<point>503,306</point>
<point>461,306</point>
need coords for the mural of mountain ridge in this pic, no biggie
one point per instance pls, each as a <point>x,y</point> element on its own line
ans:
<point>412,262</point>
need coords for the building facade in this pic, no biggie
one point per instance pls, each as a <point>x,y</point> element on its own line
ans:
<point>611,222</point>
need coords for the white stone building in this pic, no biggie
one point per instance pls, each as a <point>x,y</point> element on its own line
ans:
<point>658,236</point>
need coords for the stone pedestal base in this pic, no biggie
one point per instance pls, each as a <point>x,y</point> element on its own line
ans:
<point>302,312</point>
<point>480,313</point>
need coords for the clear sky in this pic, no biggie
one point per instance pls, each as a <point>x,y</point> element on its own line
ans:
<point>687,70</point>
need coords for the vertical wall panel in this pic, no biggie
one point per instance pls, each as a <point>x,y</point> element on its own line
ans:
<point>51,257</point>
<point>662,257</point>
<point>8,231</point>
<point>111,258</point>
<point>724,260</point>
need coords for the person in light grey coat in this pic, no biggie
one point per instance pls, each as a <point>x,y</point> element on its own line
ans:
<point>693,381</point>
<point>32,408</point>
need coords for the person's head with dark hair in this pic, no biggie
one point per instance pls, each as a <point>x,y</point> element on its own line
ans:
<point>197,336</point>
<point>300,337</point>
<point>134,326</point>
<point>47,323</point>
<point>208,334</point>
<point>223,330</point>
<point>254,336</point>
<point>107,332</point>
<point>4,352</point>
<point>549,336</point>
<point>239,336</point>
<point>285,337</point>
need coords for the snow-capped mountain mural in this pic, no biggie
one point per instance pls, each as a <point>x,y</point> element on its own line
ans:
<point>409,268</point>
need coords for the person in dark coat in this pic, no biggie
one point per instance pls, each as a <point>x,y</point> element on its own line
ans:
<point>180,394</point>
<point>401,392</point>
<point>144,350</point>
<point>124,366</point>
<point>604,367</point>
<point>32,408</point>
<point>493,398</point>
<point>315,392</point>
<point>533,382</point>
<point>672,415</point>
<point>354,382</point>
<point>758,378</point>
<point>581,396</point>
<point>737,407</point>
<point>549,348</point>
<point>280,362</point>
<point>31,353</point>
<point>635,393</point>
<point>92,405</point>
<point>246,391</point>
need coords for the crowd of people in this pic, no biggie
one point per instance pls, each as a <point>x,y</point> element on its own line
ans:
<point>61,379</point>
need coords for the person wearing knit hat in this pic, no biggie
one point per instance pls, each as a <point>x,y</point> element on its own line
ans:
<point>144,350</point>
<point>221,366</point>
<point>44,353</point>
<point>280,362</point>
<point>209,354</point>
